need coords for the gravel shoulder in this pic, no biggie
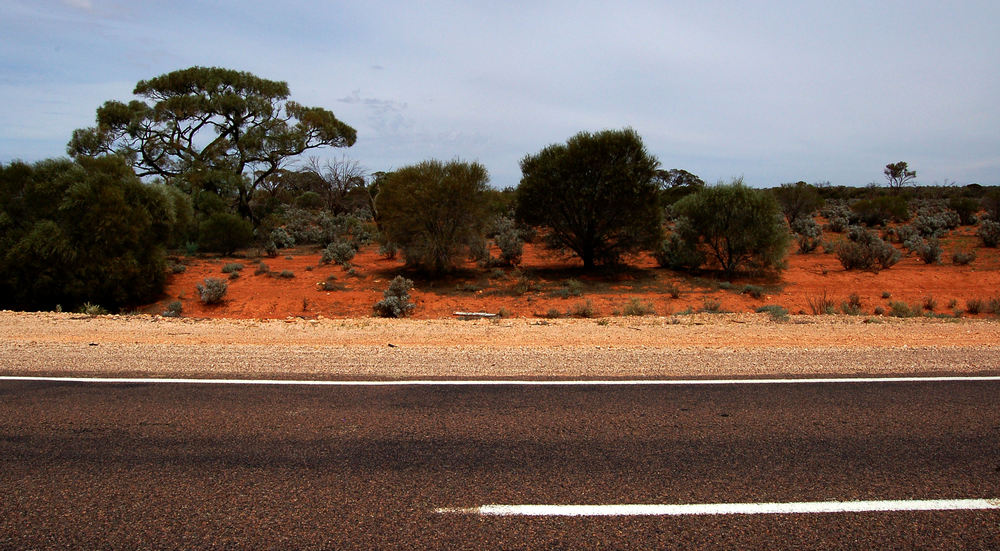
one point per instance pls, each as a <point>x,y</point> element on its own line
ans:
<point>730,345</point>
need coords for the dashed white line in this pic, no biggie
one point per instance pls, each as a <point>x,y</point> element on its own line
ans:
<point>808,507</point>
<point>501,382</point>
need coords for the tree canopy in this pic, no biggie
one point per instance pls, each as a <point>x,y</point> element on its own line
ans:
<point>898,174</point>
<point>210,128</point>
<point>595,194</point>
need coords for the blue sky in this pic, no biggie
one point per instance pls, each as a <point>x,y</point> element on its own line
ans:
<point>773,91</point>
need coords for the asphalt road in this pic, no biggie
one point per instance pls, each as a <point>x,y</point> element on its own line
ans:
<point>122,466</point>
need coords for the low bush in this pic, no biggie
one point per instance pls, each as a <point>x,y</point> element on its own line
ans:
<point>286,274</point>
<point>173,309</point>
<point>583,309</point>
<point>710,306</point>
<point>756,291</point>
<point>899,309</point>
<point>262,269</point>
<point>965,208</point>
<point>963,257</point>
<point>340,252</point>
<point>929,303</point>
<point>863,250</point>
<point>213,290</point>
<point>822,305</point>
<point>989,232</point>
<point>930,251</point>
<point>852,306</point>
<point>936,224</point>
<point>880,210</point>
<point>635,307</point>
<point>676,254</point>
<point>93,309</point>
<point>396,299</point>
<point>807,234</point>
<point>232,267</point>
<point>776,312</point>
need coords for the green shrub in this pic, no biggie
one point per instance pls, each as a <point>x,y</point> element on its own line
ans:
<point>178,268</point>
<point>553,313</point>
<point>739,227</point>
<point>756,291</point>
<point>281,238</point>
<point>93,309</point>
<point>822,305</point>
<point>966,209</point>
<point>852,306</point>
<point>798,201</point>
<point>899,309</point>
<point>863,250</point>
<point>711,306</point>
<point>286,274</point>
<point>232,267</point>
<point>396,299</point>
<point>677,254</point>
<point>929,303</point>
<point>930,251</point>
<point>673,290</point>
<point>224,233</point>
<point>975,306</point>
<point>213,290</point>
<point>880,210</point>
<point>434,212</point>
<point>262,269</point>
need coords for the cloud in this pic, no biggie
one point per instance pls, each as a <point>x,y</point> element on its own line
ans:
<point>80,4</point>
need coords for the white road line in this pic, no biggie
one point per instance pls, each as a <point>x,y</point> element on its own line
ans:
<point>502,382</point>
<point>809,507</point>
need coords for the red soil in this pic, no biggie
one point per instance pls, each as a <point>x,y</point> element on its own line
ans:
<point>807,279</point>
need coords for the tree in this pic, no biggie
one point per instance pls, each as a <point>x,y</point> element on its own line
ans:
<point>738,226</point>
<point>76,232</point>
<point>210,128</point>
<point>434,211</point>
<point>798,200</point>
<point>340,182</point>
<point>898,175</point>
<point>676,183</point>
<point>595,194</point>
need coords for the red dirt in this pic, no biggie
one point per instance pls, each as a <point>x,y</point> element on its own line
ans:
<point>807,278</point>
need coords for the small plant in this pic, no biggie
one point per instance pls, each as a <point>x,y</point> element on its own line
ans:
<point>511,246</point>
<point>330,284</point>
<point>190,248</point>
<point>178,268</point>
<point>396,302</point>
<point>776,312</point>
<point>340,252</point>
<point>234,275</point>
<point>975,306</point>
<point>232,268</point>
<point>212,291</point>
<point>963,258</point>
<point>879,311</point>
<point>92,309</point>
<point>635,307</point>
<point>262,269</point>
<point>553,313</point>
<point>756,291</point>
<point>929,303</point>
<point>286,274</point>
<point>852,306</point>
<point>673,290</point>
<point>899,309</point>
<point>886,294</point>
<point>503,312</point>
<point>498,273</point>
<point>863,250</point>
<point>309,268</point>
<point>711,306</point>
<point>583,309</point>
<point>952,304</point>
<point>822,305</point>
<point>807,234</point>
<point>173,309</point>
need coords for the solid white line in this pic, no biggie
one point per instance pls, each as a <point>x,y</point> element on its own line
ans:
<point>501,382</point>
<point>810,507</point>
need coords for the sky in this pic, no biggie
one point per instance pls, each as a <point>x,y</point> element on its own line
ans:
<point>774,92</point>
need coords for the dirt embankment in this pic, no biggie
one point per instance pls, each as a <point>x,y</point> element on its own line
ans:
<point>731,345</point>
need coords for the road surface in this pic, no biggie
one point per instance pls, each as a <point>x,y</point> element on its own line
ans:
<point>121,466</point>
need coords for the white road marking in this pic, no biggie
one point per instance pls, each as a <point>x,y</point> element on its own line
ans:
<point>501,382</point>
<point>809,507</point>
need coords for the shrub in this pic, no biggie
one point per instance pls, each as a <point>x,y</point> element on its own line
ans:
<point>511,247</point>
<point>340,252</point>
<point>863,250</point>
<point>583,309</point>
<point>677,254</point>
<point>232,267</point>
<point>281,238</point>
<point>937,224</point>
<point>213,290</point>
<point>880,210</point>
<point>929,303</point>
<point>989,232</point>
<point>822,305</point>
<point>396,299</point>
<point>635,307</point>
<point>553,313</point>
<point>224,233</point>
<point>975,306</point>
<point>262,269</point>
<point>899,309</point>
<point>852,306</point>
<point>756,291</point>
<point>838,218</point>
<point>178,268</point>
<point>902,234</point>
<point>173,309</point>
<point>965,208</point>
<point>93,309</point>
<point>596,195</point>
<point>930,251</point>
<point>76,232</point>
<point>776,312</point>
<point>963,258</point>
<point>711,306</point>
<point>673,290</point>
<point>808,234</point>
<point>286,274</point>
<point>739,227</point>
<point>798,201</point>
<point>434,212</point>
